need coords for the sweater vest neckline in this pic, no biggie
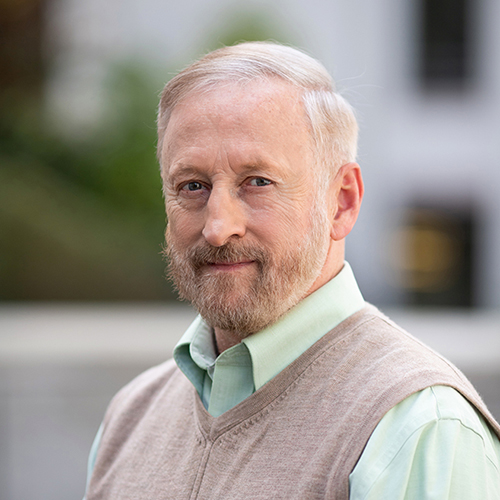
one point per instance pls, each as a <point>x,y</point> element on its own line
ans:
<point>250,409</point>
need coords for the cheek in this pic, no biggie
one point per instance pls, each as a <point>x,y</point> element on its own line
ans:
<point>280,226</point>
<point>182,227</point>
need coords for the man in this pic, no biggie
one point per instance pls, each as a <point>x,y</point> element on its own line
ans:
<point>288,385</point>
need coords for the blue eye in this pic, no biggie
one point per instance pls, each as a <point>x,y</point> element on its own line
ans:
<point>260,181</point>
<point>193,186</point>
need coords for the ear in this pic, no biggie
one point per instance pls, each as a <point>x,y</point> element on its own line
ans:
<point>347,193</point>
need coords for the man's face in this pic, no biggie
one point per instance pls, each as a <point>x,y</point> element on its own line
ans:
<point>245,238</point>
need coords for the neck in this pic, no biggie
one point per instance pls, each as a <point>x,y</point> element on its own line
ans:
<point>333,265</point>
<point>224,339</point>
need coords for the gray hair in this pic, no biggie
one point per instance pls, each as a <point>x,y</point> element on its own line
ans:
<point>333,125</point>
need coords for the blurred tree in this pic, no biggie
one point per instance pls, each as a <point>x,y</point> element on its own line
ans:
<point>83,219</point>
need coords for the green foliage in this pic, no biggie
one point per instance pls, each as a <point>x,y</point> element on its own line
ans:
<point>83,219</point>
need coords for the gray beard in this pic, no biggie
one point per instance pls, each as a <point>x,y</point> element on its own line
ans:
<point>246,304</point>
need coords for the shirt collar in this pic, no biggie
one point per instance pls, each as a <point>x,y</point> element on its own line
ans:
<point>195,353</point>
<point>275,347</point>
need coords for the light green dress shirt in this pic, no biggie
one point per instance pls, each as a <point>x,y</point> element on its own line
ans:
<point>432,445</point>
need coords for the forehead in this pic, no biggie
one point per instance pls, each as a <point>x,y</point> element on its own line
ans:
<point>266,115</point>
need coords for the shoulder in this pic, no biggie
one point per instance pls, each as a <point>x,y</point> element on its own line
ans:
<point>398,362</point>
<point>150,379</point>
<point>433,439</point>
<point>141,392</point>
<point>431,406</point>
<point>154,392</point>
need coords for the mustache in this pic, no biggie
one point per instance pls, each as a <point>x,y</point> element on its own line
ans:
<point>230,252</point>
<point>204,254</point>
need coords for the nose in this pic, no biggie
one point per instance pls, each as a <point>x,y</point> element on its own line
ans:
<point>224,217</point>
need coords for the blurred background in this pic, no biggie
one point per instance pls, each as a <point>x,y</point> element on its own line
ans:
<point>84,305</point>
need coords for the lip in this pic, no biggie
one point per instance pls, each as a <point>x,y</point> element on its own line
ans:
<point>228,266</point>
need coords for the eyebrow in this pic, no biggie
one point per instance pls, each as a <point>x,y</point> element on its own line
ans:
<point>257,165</point>
<point>183,169</point>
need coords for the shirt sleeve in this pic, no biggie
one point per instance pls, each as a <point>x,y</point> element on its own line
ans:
<point>433,445</point>
<point>93,455</point>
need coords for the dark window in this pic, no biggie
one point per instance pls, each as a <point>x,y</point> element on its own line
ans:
<point>435,266</point>
<point>446,42</point>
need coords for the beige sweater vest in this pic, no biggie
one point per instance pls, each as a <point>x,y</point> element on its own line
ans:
<point>298,437</point>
